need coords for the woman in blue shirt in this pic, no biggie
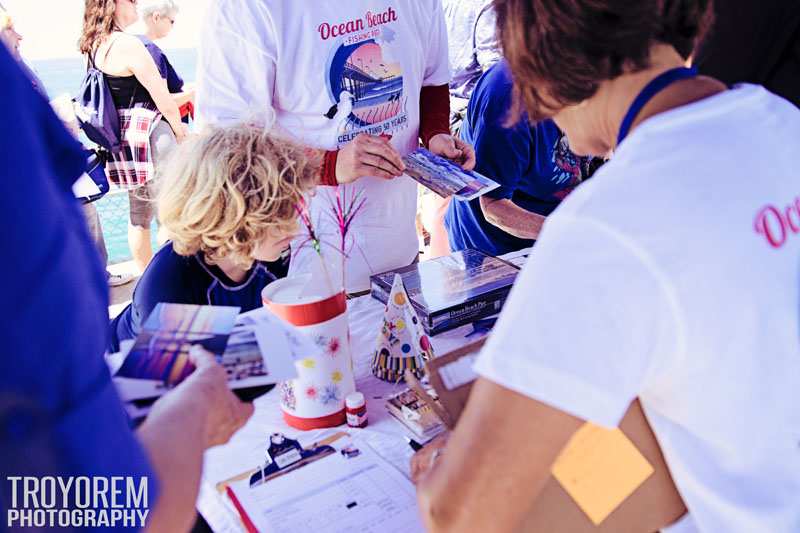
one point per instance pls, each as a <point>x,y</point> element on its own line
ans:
<point>227,200</point>
<point>532,163</point>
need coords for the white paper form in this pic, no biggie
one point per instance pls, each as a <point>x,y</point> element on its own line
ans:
<point>392,447</point>
<point>334,495</point>
<point>459,372</point>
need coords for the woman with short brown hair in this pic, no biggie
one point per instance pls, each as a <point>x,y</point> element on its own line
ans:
<point>678,260</point>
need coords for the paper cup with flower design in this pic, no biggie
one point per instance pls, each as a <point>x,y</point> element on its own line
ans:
<point>315,399</point>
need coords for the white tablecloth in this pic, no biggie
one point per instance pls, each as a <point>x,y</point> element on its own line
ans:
<point>384,434</point>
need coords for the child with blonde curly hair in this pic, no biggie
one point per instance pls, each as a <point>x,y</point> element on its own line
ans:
<point>227,200</point>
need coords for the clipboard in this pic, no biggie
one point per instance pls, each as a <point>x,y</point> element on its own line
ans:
<point>650,506</point>
<point>345,491</point>
<point>223,487</point>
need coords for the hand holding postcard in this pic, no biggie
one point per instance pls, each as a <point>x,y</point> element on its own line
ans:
<point>260,349</point>
<point>446,178</point>
<point>161,351</point>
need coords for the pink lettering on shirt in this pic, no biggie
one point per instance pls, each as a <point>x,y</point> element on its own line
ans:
<point>777,225</point>
<point>328,30</point>
<point>376,19</point>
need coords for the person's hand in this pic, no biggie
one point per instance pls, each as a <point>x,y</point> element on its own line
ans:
<point>368,155</point>
<point>226,414</point>
<point>205,393</point>
<point>422,462</point>
<point>181,133</point>
<point>454,149</point>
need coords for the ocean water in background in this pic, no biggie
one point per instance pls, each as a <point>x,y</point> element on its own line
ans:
<point>63,76</point>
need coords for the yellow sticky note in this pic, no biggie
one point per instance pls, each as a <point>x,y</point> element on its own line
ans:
<point>599,468</point>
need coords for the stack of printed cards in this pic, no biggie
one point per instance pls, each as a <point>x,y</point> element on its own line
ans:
<point>161,351</point>
<point>446,178</point>
<point>256,349</point>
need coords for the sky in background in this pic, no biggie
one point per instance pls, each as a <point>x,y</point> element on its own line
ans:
<point>51,28</point>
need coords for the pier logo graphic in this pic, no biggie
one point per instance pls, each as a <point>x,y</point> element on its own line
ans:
<point>365,80</point>
<point>76,502</point>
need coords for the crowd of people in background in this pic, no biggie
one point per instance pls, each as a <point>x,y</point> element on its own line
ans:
<point>664,265</point>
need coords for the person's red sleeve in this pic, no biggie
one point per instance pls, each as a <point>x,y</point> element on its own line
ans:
<point>328,169</point>
<point>434,112</point>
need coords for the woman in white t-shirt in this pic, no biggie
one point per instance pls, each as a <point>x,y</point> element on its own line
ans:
<point>365,80</point>
<point>678,263</point>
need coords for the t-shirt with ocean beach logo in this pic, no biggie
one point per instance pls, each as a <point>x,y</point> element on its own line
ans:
<point>324,72</point>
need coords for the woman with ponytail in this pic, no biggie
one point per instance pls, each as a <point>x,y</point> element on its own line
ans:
<point>149,116</point>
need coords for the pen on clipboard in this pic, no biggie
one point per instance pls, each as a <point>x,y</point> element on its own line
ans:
<point>416,446</point>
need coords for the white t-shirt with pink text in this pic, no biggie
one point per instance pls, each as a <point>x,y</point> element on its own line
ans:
<point>673,275</point>
<point>324,72</point>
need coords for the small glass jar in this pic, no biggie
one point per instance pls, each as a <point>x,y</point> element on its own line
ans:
<point>356,408</point>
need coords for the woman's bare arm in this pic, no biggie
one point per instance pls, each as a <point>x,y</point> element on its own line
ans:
<point>496,462</point>
<point>141,64</point>
<point>511,218</point>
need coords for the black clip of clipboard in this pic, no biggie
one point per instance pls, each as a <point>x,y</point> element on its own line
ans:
<point>285,455</point>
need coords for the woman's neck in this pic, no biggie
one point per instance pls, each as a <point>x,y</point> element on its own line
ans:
<point>232,269</point>
<point>615,97</point>
<point>118,26</point>
<point>151,34</point>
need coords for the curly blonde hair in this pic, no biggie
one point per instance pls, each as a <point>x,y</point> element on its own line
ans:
<point>221,192</point>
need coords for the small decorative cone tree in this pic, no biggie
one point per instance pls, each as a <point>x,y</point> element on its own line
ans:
<point>402,343</point>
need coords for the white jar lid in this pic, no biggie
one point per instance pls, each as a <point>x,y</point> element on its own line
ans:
<point>354,400</point>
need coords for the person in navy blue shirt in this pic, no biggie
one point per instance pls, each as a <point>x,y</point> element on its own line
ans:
<point>532,164</point>
<point>59,411</point>
<point>159,19</point>
<point>228,200</point>
<point>174,81</point>
<point>174,278</point>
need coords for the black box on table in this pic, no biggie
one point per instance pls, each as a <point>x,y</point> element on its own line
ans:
<point>450,291</point>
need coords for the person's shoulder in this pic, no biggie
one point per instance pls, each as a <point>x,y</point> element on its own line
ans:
<point>121,38</point>
<point>763,102</point>
<point>237,7</point>
<point>495,86</point>
<point>492,99</point>
<point>127,43</point>
<point>252,20</point>
<point>168,274</point>
<point>148,43</point>
<point>15,84</point>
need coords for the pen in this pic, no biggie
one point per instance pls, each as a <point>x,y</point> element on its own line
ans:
<point>416,446</point>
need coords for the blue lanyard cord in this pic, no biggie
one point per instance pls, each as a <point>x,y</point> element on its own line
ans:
<point>656,85</point>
